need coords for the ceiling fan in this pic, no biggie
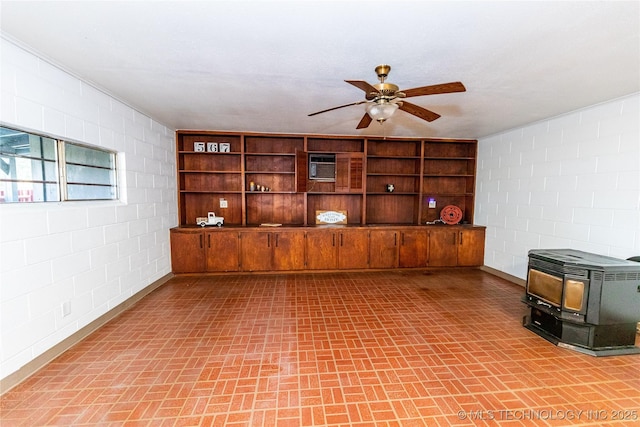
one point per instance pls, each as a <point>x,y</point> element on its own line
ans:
<point>385,98</point>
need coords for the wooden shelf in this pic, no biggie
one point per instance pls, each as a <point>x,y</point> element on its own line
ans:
<point>448,158</point>
<point>393,193</point>
<point>252,172</point>
<point>211,191</point>
<point>395,157</point>
<point>419,169</point>
<point>260,193</point>
<point>209,171</point>
<point>209,153</point>
<point>417,175</point>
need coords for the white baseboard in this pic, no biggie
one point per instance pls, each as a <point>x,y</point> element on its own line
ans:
<point>513,279</point>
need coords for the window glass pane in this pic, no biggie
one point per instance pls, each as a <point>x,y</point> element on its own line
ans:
<point>37,170</point>
<point>90,192</point>
<point>28,167</point>
<point>91,173</point>
<point>18,143</point>
<point>77,154</point>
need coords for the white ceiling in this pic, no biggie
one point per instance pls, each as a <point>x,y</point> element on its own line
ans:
<point>264,65</point>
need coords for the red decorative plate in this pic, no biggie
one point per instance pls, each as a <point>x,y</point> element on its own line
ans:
<point>451,214</point>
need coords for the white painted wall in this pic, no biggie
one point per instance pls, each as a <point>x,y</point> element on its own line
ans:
<point>572,181</point>
<point>94,255</point>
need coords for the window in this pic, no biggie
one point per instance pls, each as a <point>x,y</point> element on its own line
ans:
<point>35,168</point>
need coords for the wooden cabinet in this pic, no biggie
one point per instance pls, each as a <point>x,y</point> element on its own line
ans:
<point>383,184</point>
<point>221,250</point>
<point>471,247</point>
<point>268,250</point>
<point>353,248</point>
<point>398,247</point>
<point>322,250</point>
<point>413,247</point>
<point>456,246</point>
<point>443,247</point>
<point>256,250</point>
<point>288,250</point>
<point>196,250</point>
<point>187,251</point>
<point>329,249</point>
<point>383,248</point>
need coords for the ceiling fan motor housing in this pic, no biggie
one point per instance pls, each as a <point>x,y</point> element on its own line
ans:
<point>386,89</point>
<point>383,71</point>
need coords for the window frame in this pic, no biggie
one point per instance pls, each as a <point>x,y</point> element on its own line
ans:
<point>60,165</point>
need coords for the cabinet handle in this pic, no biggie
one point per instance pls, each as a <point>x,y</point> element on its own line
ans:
<point>395,239</point>
<point>209,240</point>
<point>333,240</point>
<point>269,240</point>
<point>201,245</point>
<point>402,238</point>
<point>461,238</point>
<point>341,242</point>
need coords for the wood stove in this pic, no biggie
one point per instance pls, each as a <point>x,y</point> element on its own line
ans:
<point>583,301</point>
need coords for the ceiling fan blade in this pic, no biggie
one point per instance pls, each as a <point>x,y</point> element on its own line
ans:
<point>361,84</point>
<point>365,121</point>
<point>335,108</point>
<point>435,89</point>
<point>418,111</point>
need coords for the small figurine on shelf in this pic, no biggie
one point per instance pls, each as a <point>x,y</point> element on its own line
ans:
<point>252,186</point>
<point>211,219</point>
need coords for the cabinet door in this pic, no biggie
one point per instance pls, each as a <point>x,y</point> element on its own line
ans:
<point>288,250</point>
<point>471,247</point>
<point>353,249</point>
<point>222,250</point>
<point>383,248</point>
<point>322,250</point>
<point>443,247</point>
<point>414,248</point>
<point>255,251</point>
<point>187,251</point>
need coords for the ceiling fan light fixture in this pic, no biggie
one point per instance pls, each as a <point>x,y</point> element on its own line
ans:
<point>383,99</point>
<point>381,111</point>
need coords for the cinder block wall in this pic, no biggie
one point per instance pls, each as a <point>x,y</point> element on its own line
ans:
<point>571,181</point>
<point>91,255</point>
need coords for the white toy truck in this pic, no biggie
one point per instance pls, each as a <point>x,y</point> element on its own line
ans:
<point>211,219</point>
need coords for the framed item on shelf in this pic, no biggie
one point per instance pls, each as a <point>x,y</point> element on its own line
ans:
<point>225,147</point>
<point>331,217</point>
<point>212,147</point>
<point>198,147</point>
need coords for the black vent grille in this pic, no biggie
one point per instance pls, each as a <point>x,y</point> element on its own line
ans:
<point>558,269</point>
<point>621,277</point>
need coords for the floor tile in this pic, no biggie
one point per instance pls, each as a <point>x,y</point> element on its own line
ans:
<point>395,348</point>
